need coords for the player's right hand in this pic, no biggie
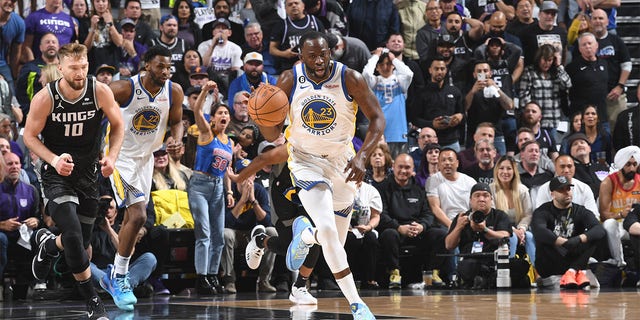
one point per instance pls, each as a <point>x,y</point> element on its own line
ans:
<point>63,164</point>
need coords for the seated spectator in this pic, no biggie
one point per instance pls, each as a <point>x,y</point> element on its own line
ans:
<point>105,73</point>
<point>16,219</point>
<point>191,59</point>
<point>8,131</point>
<point>467,157</point>
<point>169,191</point>
<point>389,79</point>
<point>525,134</point>
<point>483,170</point>
<point>599,138</point>
<point>240,116</point>
<point>247,140</point>
<point>566,236</point>
<point>165,175</point>
<point>379,165</point>
<point>472,237</point>
<point>531,173</point>
<point>188,29</point>
<point>618,192</point>
<point>428,164</point>
<point>582,194</point>
<point>513,198</point>
<point>350,51</point>
<point>407,219</point>
<point>626,131</point>
<point>447,190</point>
<point>256,42</point>
<point>104,244</point>
<point>587,171</point>
<point>252,77</point>
<point>425,135</point>
<point>531,118</point>
<point>250,215</point>
<point>132,50</point>
<point>5,148</point>
<point>169,39</point>
<point>575,125</point>
<point>631,224</point>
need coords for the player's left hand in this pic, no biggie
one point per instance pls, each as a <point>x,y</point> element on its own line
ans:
<point>106,166</point>
<point>355,168</point>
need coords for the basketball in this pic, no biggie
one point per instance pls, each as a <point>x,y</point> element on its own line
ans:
<point>268,105</point>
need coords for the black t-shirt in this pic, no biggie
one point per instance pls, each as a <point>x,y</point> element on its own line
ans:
<point>484,110</point>
<point>613,50</point>
<point>496,220</point>
<point>588,85</point>
<point>288,33</point>
<point>479,174</point>
<point>533,37</point>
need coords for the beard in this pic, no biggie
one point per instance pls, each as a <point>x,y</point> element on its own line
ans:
<point>628,176</point>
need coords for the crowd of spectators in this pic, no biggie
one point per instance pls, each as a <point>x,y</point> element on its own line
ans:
<point>513,108</point>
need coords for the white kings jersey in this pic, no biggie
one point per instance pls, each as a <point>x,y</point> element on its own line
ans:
<point>322,115</point>
<point>145,119</point>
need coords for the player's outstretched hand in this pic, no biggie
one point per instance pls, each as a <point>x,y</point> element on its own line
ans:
<point>63,164</point>
<point>355,168</point>
<point>106,166</point>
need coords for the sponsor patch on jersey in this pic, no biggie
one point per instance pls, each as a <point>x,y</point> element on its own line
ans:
<point>318,114</point>
<point>145,121</point>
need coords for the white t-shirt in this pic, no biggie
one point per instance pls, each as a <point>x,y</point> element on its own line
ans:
<point>582,195</point>
<point>367,198</point>
<point>223,57</point>
<point>453,195</point>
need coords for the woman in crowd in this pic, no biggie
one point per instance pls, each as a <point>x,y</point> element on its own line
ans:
<point>599,139</point>
<point>80,12</point>
<point>187,28</point>
<point>103,40</point>
<point>575,126</point>
<point>208,189</point>
<point>512,197</point>
<point>428,164</point>
<point>190,59</point>
<point>378,165</point>
<point>166,176</point>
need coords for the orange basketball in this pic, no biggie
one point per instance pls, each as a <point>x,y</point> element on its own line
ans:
<point>268,105</point>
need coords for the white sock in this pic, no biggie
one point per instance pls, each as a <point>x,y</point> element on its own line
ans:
<point>308,236</point>
<point>348,287</point>
<point>121,264</point>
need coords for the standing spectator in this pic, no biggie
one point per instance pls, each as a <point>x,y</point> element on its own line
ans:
<point>544,82</point>
<point>407,219</point>
<point>283,44</point>
<point>169,39</point>
<point>379,165</point>
<point>485,102</point>
<point>588,79</point>
<point>151,12</point>
<point>465,231</point>
<point>331,14</point>
<point>12,33</point>
<point>627,129</point>
<point>412,18</point>
<point>372,21</point>
<point>222,9</point>
<point>27,85</point>
<point>255,41</point>
<point>545,32</point>
<point>428,163</point>
<point>188,29</point>
<point>598,137</point>
<point>352,52</point>
<point>426,36</point>
<point>250,215</point>
<point>566,236</point>
<point>618,193</point>
<point>612,49</point>
<point>524,17</point>
<point>252,77</point>
<point>51,18</point>
<point>221,56</point>
<point>103,40</point>
<point>80,11</point>
<point>531,118</point>
<point>464,40</point>
<point>513,198</point>
<point>390,86</point>
<point>133,11</point>
<point>440,106</point>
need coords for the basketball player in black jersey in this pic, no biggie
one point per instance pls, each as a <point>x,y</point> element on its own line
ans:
<point>67,113</point>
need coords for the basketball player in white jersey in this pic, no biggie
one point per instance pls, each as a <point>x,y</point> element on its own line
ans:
<point>150,103</point>
<point>324,96</point>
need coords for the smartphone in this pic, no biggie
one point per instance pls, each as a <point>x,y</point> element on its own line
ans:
<point>482,76</point>
<point>446,119</point>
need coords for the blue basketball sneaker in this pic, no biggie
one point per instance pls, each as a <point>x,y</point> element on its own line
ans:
<point>298,250</point>
<point>361,312</point>
<point>119,288</point>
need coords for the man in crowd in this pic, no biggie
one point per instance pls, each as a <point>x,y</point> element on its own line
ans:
<point>252,77</point>
<point>543,32</point>
<point>531,118</point>
<point>240,117</point>
<point>425,135</point>
<point>485,153</point>
<point>350,51</point>
<point>169,39</point>
<point>627,129</point>
<point>532,174</point>
<point>586,170</point>
<point>133,11</point>
<point>28,83</point>
<point>222,9</point>
<point>255,42</point>
<point>467,157</point>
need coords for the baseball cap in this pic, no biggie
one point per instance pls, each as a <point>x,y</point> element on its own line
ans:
<point>198,71</point>
<point>578,136</point>
<point>559,182</point>
<point>167,17</point>
<point>265,146</point>
<point>241,164</point>
<point>333,40</point>
<point>193,89</point>
<point>160,152</point>
<point>549,6</point>
<point>126,21</point>
<point>445,40</point>
<point>221,21</point>
<point>252,56</point>
<point>107,68</point>
<point>480,187</point>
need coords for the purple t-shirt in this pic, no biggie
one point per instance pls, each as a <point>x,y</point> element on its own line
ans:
<point>40,22</point>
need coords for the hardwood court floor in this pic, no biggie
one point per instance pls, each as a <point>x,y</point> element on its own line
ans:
<point>406,304</point>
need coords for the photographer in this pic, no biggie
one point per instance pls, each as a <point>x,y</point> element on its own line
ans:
<point>478,230</point>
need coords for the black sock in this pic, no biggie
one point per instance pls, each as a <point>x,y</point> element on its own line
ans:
<point>300,281</point>
<point>51,247</point>
<point>260,240</point>
<point>86,289</point>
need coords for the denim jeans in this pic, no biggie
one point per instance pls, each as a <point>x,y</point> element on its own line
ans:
<point>139,270</point>
<point>529,246</point>
<point>206,201</point>
<point>4,246</point>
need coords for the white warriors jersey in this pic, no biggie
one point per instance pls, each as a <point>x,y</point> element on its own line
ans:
<point>322,115</point>
<point>145,119</point>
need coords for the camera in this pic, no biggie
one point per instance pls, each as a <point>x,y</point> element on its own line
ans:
<point>477,217</point>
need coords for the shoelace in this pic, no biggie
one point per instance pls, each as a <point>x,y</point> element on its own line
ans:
<point>123,283</point>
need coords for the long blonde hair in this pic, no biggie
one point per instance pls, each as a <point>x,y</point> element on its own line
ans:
<point>500,197</point>
<point>174,174</point>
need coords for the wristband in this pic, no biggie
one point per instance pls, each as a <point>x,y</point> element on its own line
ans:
<point>229,192</point>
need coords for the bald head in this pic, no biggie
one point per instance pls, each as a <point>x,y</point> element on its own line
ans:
<point>498,16</point>
<point>599,22</point>
<point>497,24</point>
